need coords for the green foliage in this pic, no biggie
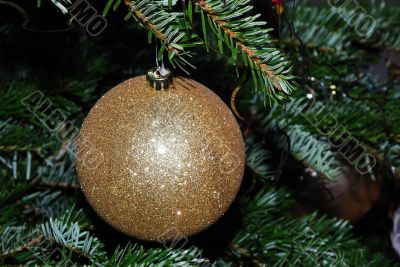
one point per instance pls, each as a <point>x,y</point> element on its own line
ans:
<point>227,23</point>
<point>71,236</point>
<point>337,28</point>
<point>168,27</point>
<point>273,237</point>
<point>137,256</point>
<point>260,160</point>
<point>270,70</point>
<point>286,126</point>
<point>43,221</point>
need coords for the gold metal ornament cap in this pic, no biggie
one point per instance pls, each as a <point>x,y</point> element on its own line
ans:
<point>159,78</point>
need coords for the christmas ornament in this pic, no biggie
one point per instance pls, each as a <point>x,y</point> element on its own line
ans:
<point>350,196</point>
<point>160,159</point>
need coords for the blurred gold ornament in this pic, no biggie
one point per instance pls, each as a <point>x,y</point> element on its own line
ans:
<point>349,196</point>
<point>160,164</point>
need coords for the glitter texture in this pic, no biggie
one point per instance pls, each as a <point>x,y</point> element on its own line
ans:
<point>160,165</point>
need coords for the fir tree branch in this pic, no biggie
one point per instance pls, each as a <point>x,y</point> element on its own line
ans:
<point>245,253</point>
<point>20,149</point>
<point>145,21</point>
<point>313,153</point>
<point>270,70</point>
<point>241,43</point>
<point>305,146</point>
<point>22,247</point>
<point>168,27</point>
<point>336,27</point>
<point>134,255</point>
<point>61,185</point>
<point>273,237</point>
<point>260,160</point>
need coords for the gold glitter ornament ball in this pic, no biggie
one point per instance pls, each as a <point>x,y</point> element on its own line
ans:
<point>160,164</point>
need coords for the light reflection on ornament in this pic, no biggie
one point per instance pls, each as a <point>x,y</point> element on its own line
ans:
<point>161,149</point>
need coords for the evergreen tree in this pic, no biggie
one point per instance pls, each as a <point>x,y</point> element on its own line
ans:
<point>311,108</point>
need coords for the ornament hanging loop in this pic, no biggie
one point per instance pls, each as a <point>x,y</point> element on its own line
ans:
<point>159,78</point>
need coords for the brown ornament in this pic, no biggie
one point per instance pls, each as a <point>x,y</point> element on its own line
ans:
<point>350,196</point>
<point>160,164</point>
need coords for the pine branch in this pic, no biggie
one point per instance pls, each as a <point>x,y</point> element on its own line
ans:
<point>385,34</point>
<point>59,174</point>
<point>270,70</point>
<point>305,146</point>
<point>20,149</point>
<point>245,253</point>
<point>133,255</point>
<point>23,247</point>
<point>60,185</point>
<point>334,28</point>
<point>319,28</point>
<point>273,237</point>
<point>139,14</point>
<point>168,27</point>
<point>41,204</point>
<point>12,240</point>
<point>49,172</point>
<point>260,160</point>
<point>64,233</point>
<point>70,237</point>
<point>314,153</point>
<point>12,189</point>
